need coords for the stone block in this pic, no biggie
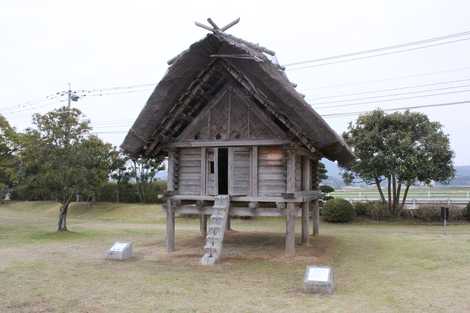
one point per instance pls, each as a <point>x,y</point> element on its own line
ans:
<point>120,251</point>
<point>319,279</point>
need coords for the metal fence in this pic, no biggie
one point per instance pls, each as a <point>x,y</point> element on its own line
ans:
<point>459,195</point>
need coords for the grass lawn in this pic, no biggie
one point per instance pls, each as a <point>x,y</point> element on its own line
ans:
<point>379,267</point>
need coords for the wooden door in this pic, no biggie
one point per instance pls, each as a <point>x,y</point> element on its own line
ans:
<point>211,172</point>
<point>239,159</point>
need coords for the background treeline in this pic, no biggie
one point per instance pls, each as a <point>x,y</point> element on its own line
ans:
<point>108,192</point>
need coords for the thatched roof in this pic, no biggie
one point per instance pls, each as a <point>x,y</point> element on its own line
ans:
<point>192,79</point>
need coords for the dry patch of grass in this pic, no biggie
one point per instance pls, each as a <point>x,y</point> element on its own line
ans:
<point>379,267</point>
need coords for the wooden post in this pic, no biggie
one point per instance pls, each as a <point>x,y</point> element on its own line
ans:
<point>203,171</point>
<point>315,206</point>
<point>290,229</point>
<point>202,219</point>
<point>170,185</point>
<point>228,226</point>
<point>307,182</point>
<point>291,207</point>
<point>254,172</point>
<point>170,226</point>
<point>203,225</point>
<point>316,218</point>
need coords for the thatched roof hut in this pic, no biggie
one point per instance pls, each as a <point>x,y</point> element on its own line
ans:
<point>157,123</point>
<point>240,140</point>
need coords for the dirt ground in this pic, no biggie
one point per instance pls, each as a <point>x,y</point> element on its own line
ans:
<point>379,267</point>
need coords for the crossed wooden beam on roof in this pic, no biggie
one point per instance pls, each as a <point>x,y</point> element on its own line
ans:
<point>215,28</point>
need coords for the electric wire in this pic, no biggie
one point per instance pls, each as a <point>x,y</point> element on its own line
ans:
<point>345,114</point>
<point>322,104</point>
<point>390,89</point>
<point>391,47</point>
<point>375,55</point>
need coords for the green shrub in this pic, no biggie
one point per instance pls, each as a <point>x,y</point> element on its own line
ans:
<point>466,212</point>
<point>457,213</point>
<point>128,192</point>
<point>429,213</point>
<point>338,210</point>
<point>361,208</point>
<point>373,209</point>
<point>432,213</point>
<point>326,189</point>
<point>377,210</point>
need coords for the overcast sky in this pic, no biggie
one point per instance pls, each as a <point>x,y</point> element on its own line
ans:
<point>99,44</point>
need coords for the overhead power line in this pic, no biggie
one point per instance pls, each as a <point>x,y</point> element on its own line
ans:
<point>110,132</point>
<point>390,89</point>
<point>393,99</point>
<point>344,114</point>
<point>364,82</point>
<point>80,94</point>
<point>392,47</point>
<point>377,55</point>
<point>388,95</point>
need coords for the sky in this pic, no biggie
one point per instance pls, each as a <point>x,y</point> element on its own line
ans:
<point>101,44</point>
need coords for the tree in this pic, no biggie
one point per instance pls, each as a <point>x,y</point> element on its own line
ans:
<point>399,149</point>
<point>120,171</point>
<point>59,155</point>
<point>8,156</point>
<point>322,172</point>
<point>144,172</point>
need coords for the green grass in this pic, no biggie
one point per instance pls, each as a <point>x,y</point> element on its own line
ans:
<point>379,267</point>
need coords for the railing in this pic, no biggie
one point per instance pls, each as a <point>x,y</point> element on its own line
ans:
<point>460,195</point>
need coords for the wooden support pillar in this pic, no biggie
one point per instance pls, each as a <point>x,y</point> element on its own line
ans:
<point>170,183</point>
<point>315,206</point>
<point>307,183</point>
<point>202,219</point>
<point>290,229</point>
<point>228,226</point>
<point>170,226</point>
<point>316,218</point>
<point>254,172</point>
<point>203,225</point>
<point>305,219</point>
<point>203,171</point>
<point>291,207</point>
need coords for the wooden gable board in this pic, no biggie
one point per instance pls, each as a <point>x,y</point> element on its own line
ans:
<point>231,115</point>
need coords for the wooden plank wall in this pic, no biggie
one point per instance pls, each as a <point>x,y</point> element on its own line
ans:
<point>189,170</point>
<point>272,172</point>
<point>240,167</point>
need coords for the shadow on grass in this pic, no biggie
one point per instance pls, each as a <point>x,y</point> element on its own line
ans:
<point>62,236</point>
